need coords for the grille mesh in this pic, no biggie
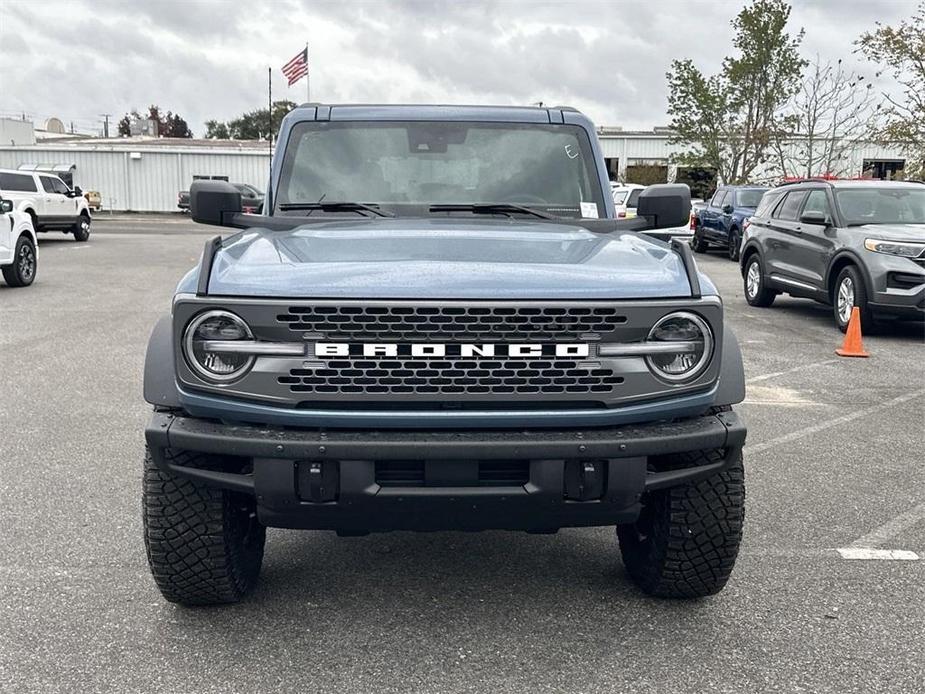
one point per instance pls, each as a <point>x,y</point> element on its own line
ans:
<point>449,322</point>
<point>452,377</point>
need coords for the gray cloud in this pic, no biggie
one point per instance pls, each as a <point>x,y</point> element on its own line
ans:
<point>208,58</point>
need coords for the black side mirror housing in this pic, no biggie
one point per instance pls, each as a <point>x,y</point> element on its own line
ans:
<point>214,202</point>
<point>814,217</point>
<point>6,206</point>
<point>727,209</point>
<point>665,205</point>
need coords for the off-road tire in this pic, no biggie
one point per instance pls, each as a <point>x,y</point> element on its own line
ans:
<point>868,321</point>
<point>735,240</point>
<point>21,272</point>
<point>81,228</point>
<point>763,296</point>
<point>685,542</point>
<point>698,245</point>
<point>204,545</point>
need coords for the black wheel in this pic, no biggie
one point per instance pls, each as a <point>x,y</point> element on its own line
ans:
<point>204,545</point>
<point>734,242</point>
<point>756,292</point>
<point>698,245</point>
<point>685,542</point>
<point>850,291</point>
<point>21,272</point>
<point>81,229</point>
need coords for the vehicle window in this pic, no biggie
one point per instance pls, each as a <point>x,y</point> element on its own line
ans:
<point>19,182</point>
<point>886,205</point>
<point>726,199</point>
<point>634,197</point>
<point>47,184</point>
<point>768,201</point>
<point>244,190</point>
<point>546,167</point>
<point>790,207</point>
<point>619,196</point>
<point>59,186</point>
<point>717,197</point>
<point>749,197</point>
<point>817,202</point>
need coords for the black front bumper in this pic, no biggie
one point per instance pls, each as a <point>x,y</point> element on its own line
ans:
<point>354,499</point>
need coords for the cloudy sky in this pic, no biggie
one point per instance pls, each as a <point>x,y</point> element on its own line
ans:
<point>207,59</point>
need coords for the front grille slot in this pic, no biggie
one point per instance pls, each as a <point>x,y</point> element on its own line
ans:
<point>456,473</point>
<point>420,323</point>
<point>453,377</point>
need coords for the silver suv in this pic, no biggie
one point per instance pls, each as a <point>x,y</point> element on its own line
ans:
<point>843,243</point>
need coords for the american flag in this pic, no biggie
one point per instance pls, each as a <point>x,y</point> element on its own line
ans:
<point>297,68</point>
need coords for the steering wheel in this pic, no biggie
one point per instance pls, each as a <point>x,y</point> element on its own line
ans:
<point>519,198</point>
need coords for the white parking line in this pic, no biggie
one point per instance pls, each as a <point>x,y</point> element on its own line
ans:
<point>892,528</point>
<point>816,428</point>
<point>867,553</point>
<point>765,377</point>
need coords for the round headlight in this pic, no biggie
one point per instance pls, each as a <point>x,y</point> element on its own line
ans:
<point>695,347</point>
<point>203,349</point>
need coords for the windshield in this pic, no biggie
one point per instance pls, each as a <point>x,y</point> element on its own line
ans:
<point>749,198</point>
<point>882,205</point>
<point>404,167</point>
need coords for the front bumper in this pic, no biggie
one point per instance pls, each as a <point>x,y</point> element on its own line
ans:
<point>358,500</point>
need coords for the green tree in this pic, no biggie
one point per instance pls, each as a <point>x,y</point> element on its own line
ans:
<point>901,50</point>
<point>253,125</point>
<point>728,121</point>
<point>169,125</point>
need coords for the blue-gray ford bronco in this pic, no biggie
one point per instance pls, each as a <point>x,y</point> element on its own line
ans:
<point>438,323</point>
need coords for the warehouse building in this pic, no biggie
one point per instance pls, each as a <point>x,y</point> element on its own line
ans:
<point>145,174</point>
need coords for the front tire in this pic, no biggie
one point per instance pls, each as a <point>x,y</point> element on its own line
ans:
<point>204,545</point>
<point>850,291</point>
<point>81,228</point>
<point>734,242</point>
<point>686,540</point>
<point>21,272</point>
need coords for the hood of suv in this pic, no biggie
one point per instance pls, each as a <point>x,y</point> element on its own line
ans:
<point>893,232</point>
<point>445,258</point>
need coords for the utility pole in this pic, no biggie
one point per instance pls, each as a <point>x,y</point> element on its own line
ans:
<point>106,117</point>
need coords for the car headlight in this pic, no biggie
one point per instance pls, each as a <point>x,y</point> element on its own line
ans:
<point>694,341</point>
<point>205,345</point>
<point>906,249</point>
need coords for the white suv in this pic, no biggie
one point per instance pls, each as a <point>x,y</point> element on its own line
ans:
<point>19,253</point>
<point>48,201</point>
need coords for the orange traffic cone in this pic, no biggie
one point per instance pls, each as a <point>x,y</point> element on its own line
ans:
<point>853,347</point>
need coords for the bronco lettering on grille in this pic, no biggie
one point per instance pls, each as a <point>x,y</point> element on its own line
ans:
<point>439,349</point>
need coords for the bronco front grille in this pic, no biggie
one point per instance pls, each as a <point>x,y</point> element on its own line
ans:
<point>453,377</point>
<point>451,322</point>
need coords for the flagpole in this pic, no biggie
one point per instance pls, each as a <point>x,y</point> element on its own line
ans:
<point>308,87</point>
<point>270,119</point>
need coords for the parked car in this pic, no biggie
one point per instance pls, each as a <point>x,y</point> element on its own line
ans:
<point>251,198</point>
<point>19,253</point>
<point>683,233</point>
<point>844,243</point>
<point>721,221</point>
<point>51,205</point>
<point>625,199</point>
<point>459,344</point>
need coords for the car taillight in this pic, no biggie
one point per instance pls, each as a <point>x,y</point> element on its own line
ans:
<point>693,221</point>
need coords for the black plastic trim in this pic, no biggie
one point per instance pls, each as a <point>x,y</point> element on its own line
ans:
<point>205,265</point>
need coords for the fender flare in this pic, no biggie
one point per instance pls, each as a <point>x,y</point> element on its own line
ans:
<point>160,381</point>
<point>731,389</point>
<point>856,261</point>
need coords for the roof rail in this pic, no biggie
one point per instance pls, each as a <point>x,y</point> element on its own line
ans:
<point>806,180</point>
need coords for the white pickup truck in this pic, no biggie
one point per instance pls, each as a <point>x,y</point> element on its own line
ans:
<point>19,253</point>
<point>48,201</point>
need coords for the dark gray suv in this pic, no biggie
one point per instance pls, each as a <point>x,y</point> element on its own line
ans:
<point>844,243</point>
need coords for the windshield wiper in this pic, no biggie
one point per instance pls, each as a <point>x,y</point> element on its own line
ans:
<point>490,208</point>
<point>358,207</point>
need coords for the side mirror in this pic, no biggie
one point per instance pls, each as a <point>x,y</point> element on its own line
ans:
<point>214,202</point>
<point>78,191</point>
<point>665,205</point>
<point>6,206</point>
<point>727,209</point>
<point>814,217</point>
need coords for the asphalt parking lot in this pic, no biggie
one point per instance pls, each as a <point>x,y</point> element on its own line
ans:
<point>834,460</point>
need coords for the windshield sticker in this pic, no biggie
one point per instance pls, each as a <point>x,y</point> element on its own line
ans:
<point>589,210</point>
<point>570,152</point>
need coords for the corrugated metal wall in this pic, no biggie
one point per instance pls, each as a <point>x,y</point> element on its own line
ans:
<point>146,183</point>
